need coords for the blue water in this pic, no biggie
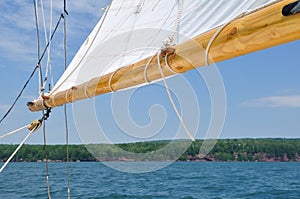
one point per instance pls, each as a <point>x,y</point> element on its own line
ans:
<point>179,180</point>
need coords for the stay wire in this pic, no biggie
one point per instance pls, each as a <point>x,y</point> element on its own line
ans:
<point>47,161</point>
<point>35,68</point>
<point>19,95</point>
<point>65,106</point>
<point>40,78</point>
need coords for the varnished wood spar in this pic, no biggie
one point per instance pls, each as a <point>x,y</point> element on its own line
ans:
<point>262,29</point>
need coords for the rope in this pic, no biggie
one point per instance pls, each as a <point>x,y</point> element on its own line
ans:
<point>226,24</point>
<point>31,75</point>
<point>40,77</point>
<point>19,95</point>
<point>50,31</point>
<point>65,106</point>
<point>110,78</point>
<point>146,67</point>
<point>47,164</point>
<point>84,55</point>
<point>13,132</point>
<point>179,14</point>
<point>171,98</point>
<point>168,66</point>
<point>17,149</point>
<point>67,150</point>
<point>42,88</point>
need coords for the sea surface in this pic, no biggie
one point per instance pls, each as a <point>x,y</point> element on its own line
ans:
<point>178,180</point>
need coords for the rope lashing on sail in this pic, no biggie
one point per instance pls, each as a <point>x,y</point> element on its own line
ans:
<point>168,44</point>
<point>206,58</point>
<point>167,62</point>
<point>88,49</point>
<point>159,55</point>
<point>110,78</point>
<point>146,68</point>
<point>291,9</point>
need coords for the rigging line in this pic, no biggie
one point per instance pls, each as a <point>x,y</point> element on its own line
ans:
<point>40,77</point>
<point>13,132</point>
<point>32,127</point>
<point>17,149</point>
<point>46,158</point>
<point>86,52</point>
<point>175,32</point>
<point>171,98</point>
<point>222,27</point>
<point>19,95</point>
<point>50,31</point>
<point>67,151</point>
<point>65,106</point>
<point>52,35</point>
<point>49,66</point>
<point>48,49</point>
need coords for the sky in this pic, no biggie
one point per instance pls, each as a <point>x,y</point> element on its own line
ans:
<point>262,89</point>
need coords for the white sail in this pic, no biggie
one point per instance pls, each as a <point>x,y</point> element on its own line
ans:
<point>132,30</point>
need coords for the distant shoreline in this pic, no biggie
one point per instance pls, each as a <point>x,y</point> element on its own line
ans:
<point>226,150</point>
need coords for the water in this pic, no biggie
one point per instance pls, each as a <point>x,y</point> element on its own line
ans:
<point>179,180</point>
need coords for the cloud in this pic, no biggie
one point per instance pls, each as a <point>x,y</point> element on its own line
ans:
<point>18,33</point>
<point>291,101</point>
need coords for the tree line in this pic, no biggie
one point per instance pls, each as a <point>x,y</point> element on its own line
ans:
<point>179,150</point>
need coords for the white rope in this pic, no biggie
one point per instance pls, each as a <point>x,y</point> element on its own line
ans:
<point>86,89</point>
<point>168,66</point>
<point>217,34</point>
<point>48,187</point>
<point>13,132</point>
<point>146,68</point>
<point>49,54</point>
<point>17,149</point>
<point>47,40</point>
<point>47,165</point>
<point>171,98</point>
<point>38,43</point>
<point>177,23</point>
<point>86,52</point>
<point>212,40</point>
<point>226,24</point>
<point>110,78</point>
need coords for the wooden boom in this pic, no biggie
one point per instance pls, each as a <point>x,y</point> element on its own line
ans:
<point>262,29</point>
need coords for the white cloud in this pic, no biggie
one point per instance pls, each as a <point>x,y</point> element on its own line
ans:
<point>18,34</point>
<point>291,101</point>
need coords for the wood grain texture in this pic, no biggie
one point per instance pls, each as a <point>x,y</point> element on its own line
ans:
<point>260,30</point>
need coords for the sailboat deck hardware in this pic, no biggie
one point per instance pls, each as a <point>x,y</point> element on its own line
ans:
<point>35,125</point>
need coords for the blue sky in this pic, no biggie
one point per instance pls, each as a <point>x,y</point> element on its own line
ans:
<point>262,88</point>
